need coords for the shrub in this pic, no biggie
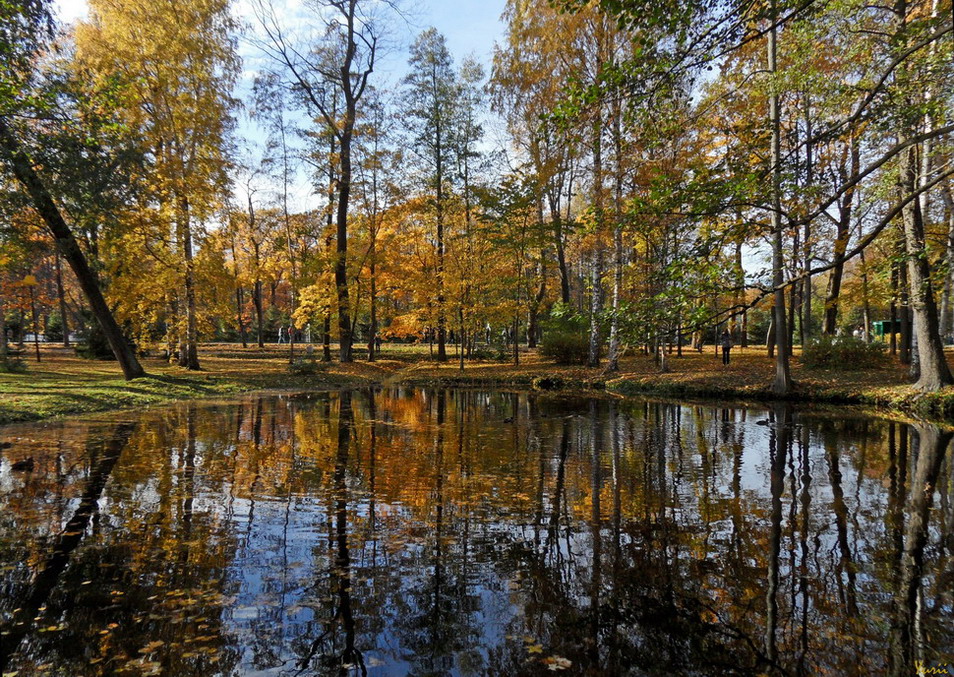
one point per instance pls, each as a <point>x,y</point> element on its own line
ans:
<point>496,353</point>
<point>12,365</point>
<point>845,353</point>
<point>96,347</point>
<point>306,364</point>
<point>565,340</point>
<point>54,328</point>
<point>548,383</point>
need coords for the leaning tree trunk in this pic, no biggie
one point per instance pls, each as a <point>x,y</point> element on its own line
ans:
<point>68,246</point>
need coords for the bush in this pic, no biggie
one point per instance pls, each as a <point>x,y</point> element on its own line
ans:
<point>845,353</point>
<point>548,383</point>
<point>54,328</point>
<point>306,364</point>
<point>496,353</point>
<point>565,340</point>
<point>12,365</point>
<point>96,347</point>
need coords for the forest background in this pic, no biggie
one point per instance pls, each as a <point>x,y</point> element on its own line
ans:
<point>623,177</point>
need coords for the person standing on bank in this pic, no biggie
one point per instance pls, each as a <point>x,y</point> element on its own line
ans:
<point>726,342</point>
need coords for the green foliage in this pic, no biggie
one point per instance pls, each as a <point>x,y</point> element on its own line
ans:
<point>12,365</point>
<point>843,353</point>
<point>96,347</point>
<point>490,352</point>
<point>54,327</point>
<point>565,338</point>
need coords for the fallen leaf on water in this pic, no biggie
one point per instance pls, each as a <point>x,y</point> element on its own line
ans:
<point>535,648</point>
<point>557,663</point>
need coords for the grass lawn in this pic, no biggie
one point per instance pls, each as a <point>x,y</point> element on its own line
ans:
<point>65,384</point>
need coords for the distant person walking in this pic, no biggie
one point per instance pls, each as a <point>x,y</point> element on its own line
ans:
<point>281,335</point>
<point>726,342</point>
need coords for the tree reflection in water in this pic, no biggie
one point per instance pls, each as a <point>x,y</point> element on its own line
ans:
<point>433,532</point>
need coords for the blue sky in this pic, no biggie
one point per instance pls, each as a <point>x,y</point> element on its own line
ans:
<point>470,26</point>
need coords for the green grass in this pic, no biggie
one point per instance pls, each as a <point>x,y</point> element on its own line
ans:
<point>65,384</point>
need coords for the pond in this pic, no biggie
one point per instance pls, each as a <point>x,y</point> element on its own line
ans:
<point>463,532</point>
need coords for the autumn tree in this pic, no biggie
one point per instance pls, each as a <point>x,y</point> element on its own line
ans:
<point>176,63</point>
<point>430,106</point>
<point>24,29</point>
<point>344,59</point>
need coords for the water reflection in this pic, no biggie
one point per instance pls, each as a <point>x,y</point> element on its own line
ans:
<point>462,532</point>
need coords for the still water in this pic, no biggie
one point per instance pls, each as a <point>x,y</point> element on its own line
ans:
<point>459,532</point>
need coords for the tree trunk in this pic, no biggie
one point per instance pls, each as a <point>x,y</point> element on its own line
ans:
<point>806,323</point>
<point>441,312</point>
<point>293,300</point>
<point>61,296</point>
<point>783,379</point>
<point>373,329</point>
<point>947,316</point>
<point>894,309</point>
<point>865,299</point>
<point>259,314</point>
<point>560,250</point>
<point>460,323</point>
<point>36,323</point>
<point>596,309</point>
<point>189,353</point>
<point>845,209</point>
<point>933,370</point>
<point>596,279</point>
<point>533,326</point>
<point>341,260</point>
<point>744,339</point>
<point>617,290</point>
<point>68,246</point>
<point>239,302</point>
<point>4,348</point>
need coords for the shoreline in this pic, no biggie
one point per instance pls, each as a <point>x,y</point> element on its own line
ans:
<point>64,385</point>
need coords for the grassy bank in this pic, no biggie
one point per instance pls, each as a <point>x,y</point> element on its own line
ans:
<point>64,384</point>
